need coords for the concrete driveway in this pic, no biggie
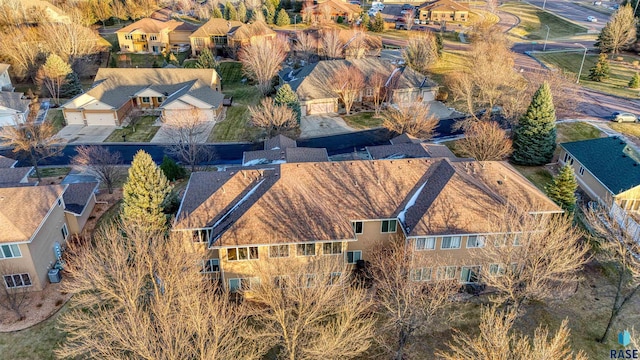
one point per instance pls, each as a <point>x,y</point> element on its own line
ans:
<point>165,136</point>
<point>85,134</point>
<point>323,125</point>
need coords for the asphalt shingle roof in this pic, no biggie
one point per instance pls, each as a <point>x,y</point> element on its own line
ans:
<point>610,160</point>
<point>14,100</point>
<point>77,195</point>
<point>12,176</point>
<point>6,162</point>
<point>408,150</point>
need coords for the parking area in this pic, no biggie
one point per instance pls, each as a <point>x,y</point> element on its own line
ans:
<point>85,134</point>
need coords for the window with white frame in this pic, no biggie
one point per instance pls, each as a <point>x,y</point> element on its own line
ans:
<point>146,99</point>
<point>201,235</point>
<point>421,274</point>
<point>428,243</point>
<point>334,278</point>
<point>354,256</point>
<point>65,231</point>
<point>306,249</point>
<point>10,251</point>
<point>475,241</point>
<point>496,269</point>
<point>310,280</point>
<point>581,170</point>
<point>450,242</point>
<point>357,227</point>
<point>239,284</point>
<point>128,36</point>
<point>281,281</point>
<point>332,248</point>
<point>211,266</point>
<point>516,239</point>
<point>368,92</point>
<point>278,251</point>
<point>242,253</point>
<point>470,274</point>
<point>153,37</point>
<point>17,280</point>
<point>447,272</point>
<point>388,226</point>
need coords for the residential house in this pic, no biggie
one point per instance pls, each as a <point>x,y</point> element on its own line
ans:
<point>154,36</point>
<point>5,80</point>
<point>79,201</point>
<point>313,83</point>
<point>14,108</point>
<point>348,208</point>
<point>167,92</point>
<point>221,35</point>
<point>406,147</point>
<point>355,43</point>
<point>14,176</point>
<point>281,149</point>
<point>443,10</point>
<point>7,163</point>
<point>324,11</point>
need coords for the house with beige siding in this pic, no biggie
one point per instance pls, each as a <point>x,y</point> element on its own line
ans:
<point>150,35</point>
<point>346,209</point>
<point>443,10</point>
<point>163,92</point>
<point>224,36</point>
<point>79,201</point>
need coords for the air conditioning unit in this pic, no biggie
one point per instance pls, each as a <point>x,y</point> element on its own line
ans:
<point>54,276</point>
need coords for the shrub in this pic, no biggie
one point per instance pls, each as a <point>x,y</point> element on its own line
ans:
<point>171,169</point>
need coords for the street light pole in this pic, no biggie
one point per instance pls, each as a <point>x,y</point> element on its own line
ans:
<point>582,64</point>
<point>544,4</point>
<point>547,38</point>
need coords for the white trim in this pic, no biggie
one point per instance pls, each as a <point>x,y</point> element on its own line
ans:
<point>315,249</point>
<point>279,257</point>
<point>346,256</point>
<point>175,221</point>
<point>284,243</point>
<point>248,253</point>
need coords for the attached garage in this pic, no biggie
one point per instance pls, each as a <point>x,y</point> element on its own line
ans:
<point>100,118</point>
<point>321,107</point>
<point>73,117</point>
<point>202,114</point>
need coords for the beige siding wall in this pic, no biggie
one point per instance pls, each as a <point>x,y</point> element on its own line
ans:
<point>21,265</point>
<point>630,199</point>
<point>179,37</point>
<point>76,223</point>
<point>41,248</point>
<point>588,183</point>
<point>125,45</point>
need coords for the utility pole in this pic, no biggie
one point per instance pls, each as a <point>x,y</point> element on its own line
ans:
<point>582,64</point>
<point>544,48</point>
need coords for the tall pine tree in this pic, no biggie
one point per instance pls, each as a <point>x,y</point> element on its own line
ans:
<point>534,138</point>
<point>230,12</point>
<point>144,193</point>
<point>377,24</point>
<point>242,12</point>
<point>600,70</point>
<point>562,190</point>
<point>634,83</point>
<point>283,18</point>
<point>71,86</point>
<point>286,96</point>
<point>206,60</point>
<point>269,12</point>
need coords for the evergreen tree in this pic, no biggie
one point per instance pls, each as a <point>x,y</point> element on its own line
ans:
<point>144,193</point>
<point>286,96</point>
<point>562,190</point>
<point>71,86</point>
<point>269,12</point>
<point>285,4</point>
<point>534,138</point>
<point>242,12</point>
<point>114,62</point>
<point>206,60</point>
<point>217,13</point>
<point>230,12</point>
<point>439,43</point>
<point>283,18</point>
<point>171,169</point>
<point>600,70</point>
<point>366,20</point>
<point>634,83</point>
<point>377,25</point>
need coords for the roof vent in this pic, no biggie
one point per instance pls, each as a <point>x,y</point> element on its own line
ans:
<point>499,182</point>
<point>624,156</point>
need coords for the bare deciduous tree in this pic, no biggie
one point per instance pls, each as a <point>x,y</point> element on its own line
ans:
<point>69,41</point>
<point>31,140</point>
<point>262,61</point>
<point>272,117</point>
<point>348,83</point>
<point>187,131</point>
<point>621,251</point>
<point>141,295</point>
<point>376,83</point>
<point>412,118</point>
<point>407,296</point>
<point>306,46</point>
<point>497,341</point>
<point>13,299</point>
<point>310,310</point>
<point>21,47</point>
<point>100,162</point>
<point>485,141</point>
<point>421,52</point>
<point>531,257</point>
<point>357,45</point>
<point>408,18</point>
<point>332,46</point>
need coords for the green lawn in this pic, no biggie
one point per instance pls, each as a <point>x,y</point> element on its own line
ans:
<point>538,175</point>
<point>230,72</point>
<point>363,120</point>
<point>34,343</point>
<point>626,128</point>
<point>616,84</point>
<point>576,131</point>
<point>109,217</point>
<point>52,171</point>
<point>533,19</point>
<point>143,131</point>
<point>147,60</point>
<point>56,118</point>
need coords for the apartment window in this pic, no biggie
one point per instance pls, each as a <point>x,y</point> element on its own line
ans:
<point>10,251</point>
<point>153,37</point>
<point>240,284</point>
<point>17,280</point>
<point>422,274</point>
<point>332,248</point>
<point>128,37</point>
<point>354,256</point>
<point>65,231</point>
<point>450,242</point>
<point>281,281</point>
<point>159,99</point>
<point>357,227</point>
<point>310,280</point>
<point>475,241</point>
<point>242,253</point>
<point>306,249</point>
<point>368,92</point>
<point>201,236</point>
<point>447,272</point>
<point>388,226</point>
<point>334,278</point>
<point>428,243</point>
<point>516,239</point>
<point>146,100</point>
<point>278,251</point>
<point>211,266</point>
<point>581,170</point>
<point>143,36</point>
<point>496,269</point>
<point>470,274</point>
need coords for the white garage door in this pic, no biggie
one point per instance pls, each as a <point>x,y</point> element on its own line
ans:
<point>203,115</point>
<point>73,118</point>
<point>322,108</point>
<point>428,96</point>
<point>100,118</point>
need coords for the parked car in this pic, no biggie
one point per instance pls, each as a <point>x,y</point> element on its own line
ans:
<point>407,7</point>
<point>592,19</point>
<point>404,12</point>
<point>598,3</point>
<point>624,117</point>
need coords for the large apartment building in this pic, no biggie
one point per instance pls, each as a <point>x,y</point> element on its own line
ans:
<point>443,207</point>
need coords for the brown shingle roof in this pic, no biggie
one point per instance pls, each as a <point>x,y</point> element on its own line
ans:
<point>77,195</point>
<point>404,139</point>
<point>317,201</point>
<point>12,176</point>
<point>215,26</point>
<point>279,142</point>
<point>443,5</point>
<point>290,155</point>
<point>153,26</point>
<point>6,162</point>
<point>246,31</point>
<point>22,210</point>
<point>408,150</point>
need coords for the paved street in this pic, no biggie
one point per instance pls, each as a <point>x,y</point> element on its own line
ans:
<point>573,12</point>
